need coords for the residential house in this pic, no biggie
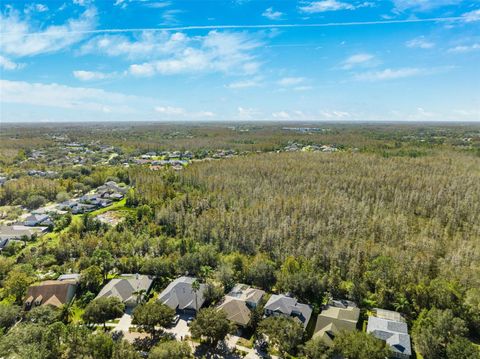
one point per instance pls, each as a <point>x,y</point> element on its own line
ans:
<point>239,303</point>
<point>280,304</point>
<point>20,231</point>
<point>129,288</point>
<point>37,220</point>
<point>51,292</point>
<point>390,327</point>
<point>337,316</point>
<point>181,296</point>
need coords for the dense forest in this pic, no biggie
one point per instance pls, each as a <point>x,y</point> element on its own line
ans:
<point>390,220</point>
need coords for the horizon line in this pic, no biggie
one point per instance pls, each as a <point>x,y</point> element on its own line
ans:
<point>254,26</point>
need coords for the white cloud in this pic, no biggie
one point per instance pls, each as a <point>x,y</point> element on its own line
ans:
<point>464,48</point>
<point>357,60</point>
<point>423,5</point>
<point>390,74</point>
<point>8,64</point>
<point>255,82</point>
<point>215,52</point>
<point>91,75</point>
<point>169,110</point>
<point>291,81</point>
<point>472,16</point>
<point>66,97</point>
<point>332,5</point>
<point>271,14</point>
<point>335,114</point>
<point>158,4</point>
<point>175,112</point>
<point>420,42</point>
<point>20,38</point>
<point>247,113</point>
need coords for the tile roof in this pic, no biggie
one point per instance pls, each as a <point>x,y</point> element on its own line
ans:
<point>393,332</point>
<point>125,287</point>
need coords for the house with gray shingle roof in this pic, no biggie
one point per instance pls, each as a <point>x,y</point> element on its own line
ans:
<point>129,288</point>
<point>393,332</point>
<point>179,295</point>
<point>280,304</point>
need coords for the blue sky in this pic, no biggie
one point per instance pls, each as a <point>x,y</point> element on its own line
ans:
<point>240,60</point>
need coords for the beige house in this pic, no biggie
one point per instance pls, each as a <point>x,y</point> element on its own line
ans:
<point>239,303</point>
<point>337,316</point>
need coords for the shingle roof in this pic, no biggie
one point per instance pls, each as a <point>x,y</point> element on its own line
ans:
<point>393,332</point>
<point>236,310</point>
<point>289,306</point>
<point>333,319</point>
<point>51,292</point>
<point>125,287</point>
<point>180,295</point>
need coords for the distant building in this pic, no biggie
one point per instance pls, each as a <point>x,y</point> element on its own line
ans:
<point>280,304</point>
<point>337,316</point>
<point>20,231</point>
<point>54,293</point>
<point>390,327</point>
<point>37,220</point>
<point>129,288</point>
<point>179,295</point>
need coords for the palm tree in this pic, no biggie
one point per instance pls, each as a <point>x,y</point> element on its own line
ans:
<point>66,313</point>
<point>195,289</point>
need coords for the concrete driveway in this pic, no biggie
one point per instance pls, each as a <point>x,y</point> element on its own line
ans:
<point>181,330</point>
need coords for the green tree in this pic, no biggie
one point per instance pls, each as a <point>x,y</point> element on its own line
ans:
<point>100,346</point>
<point>434,330</point>
<point>9,314</point>
<point>124,350</point>
<point>316,349</point>
<point>43,315</point>
<point>211,325</point>
<point>151,315</point>
<point>91,278</point>
<point>16,284</point>
<point>104,260</point>
<point>171,350</point>
<point>285,333</point>
<point>462,348</point>
<point>103,309</point>
<point>360,345</point>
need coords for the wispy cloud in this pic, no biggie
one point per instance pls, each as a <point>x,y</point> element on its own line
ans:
<point>272,14</point>
<point>291,81</point>
<point>8,64</point>
<point>331,5</point>
<point>83,75</point>
<point>420,42</point>
<point>358,60</point>
<point>242,84</point>
<point>472,16</point>
<point>66,97</point>
<point>423,5</point>
<point>464,48</point>
<point>20,38</point>
<point>180,112</point>
<point>390,74</point>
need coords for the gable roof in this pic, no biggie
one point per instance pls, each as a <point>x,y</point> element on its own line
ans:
<point>280,303</point>
<point>236,310</point>
<point>126,287</point>
<point>394,333</point>
<point>180,295</point>
<point>334,319</point>
<point>51,292</point>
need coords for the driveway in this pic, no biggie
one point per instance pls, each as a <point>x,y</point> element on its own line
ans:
<point>181,330</point>
<point>125,322</point>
